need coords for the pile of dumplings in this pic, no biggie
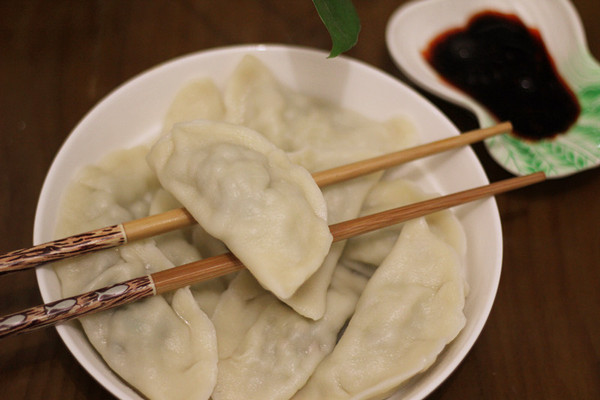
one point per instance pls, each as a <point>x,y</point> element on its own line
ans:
<point>309,318</point>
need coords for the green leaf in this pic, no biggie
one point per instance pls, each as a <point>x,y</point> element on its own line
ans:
<point>342,22</point>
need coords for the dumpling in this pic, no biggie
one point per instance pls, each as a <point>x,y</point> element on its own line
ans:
<point>180,247</point>
<point>167,351</point>
<point>371,248</point>
<point>237,310</point>
<point>317,135</point>
<point>200,99</point>
<point>164,346</point>
<point>244,191</point>
<point>343,201</point>
<point>324,134</point>
<point>410,309</point>
<point>274,349</point>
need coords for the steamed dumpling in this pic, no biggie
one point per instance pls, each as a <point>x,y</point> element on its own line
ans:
<point>164,346</point>
<point>200,99</point>
<point>180,247</point>
<point>176,361</point>
<point>245,192</point>
<point>343,201</point>
<point>371,248</point>
<point>237,310</point>
<point>275,349</point>
<point>410,309</point>
<point>317,135</point>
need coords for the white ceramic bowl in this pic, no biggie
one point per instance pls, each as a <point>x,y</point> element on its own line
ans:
<point>414,24</point>
<point>133,114</point>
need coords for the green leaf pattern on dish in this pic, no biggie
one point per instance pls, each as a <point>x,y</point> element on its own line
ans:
<point>568,153</point>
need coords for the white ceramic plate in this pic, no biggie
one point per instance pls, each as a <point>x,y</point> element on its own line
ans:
<point>412,27</point>
<point>133,114</point>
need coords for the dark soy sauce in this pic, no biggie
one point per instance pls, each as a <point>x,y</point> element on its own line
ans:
<point>505,66</point>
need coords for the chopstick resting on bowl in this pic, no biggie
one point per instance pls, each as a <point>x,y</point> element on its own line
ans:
<point>117,235</point>
<point>209,268</point>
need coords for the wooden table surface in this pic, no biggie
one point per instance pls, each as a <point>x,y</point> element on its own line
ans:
<point>59,58</point>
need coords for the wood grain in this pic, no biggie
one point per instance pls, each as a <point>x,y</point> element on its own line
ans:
<point>82,243</point>
<point>60,57</point>
<point>69,308</point>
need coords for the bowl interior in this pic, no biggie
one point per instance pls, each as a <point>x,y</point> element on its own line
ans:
<point>133,114</point>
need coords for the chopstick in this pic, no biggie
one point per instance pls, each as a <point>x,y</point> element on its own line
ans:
<point>178,277</point>
<point>117,235</point>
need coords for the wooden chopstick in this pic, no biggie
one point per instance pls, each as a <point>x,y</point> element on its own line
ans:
<point>385,161</point>
<point>178,277</point>
<point>117,235</point>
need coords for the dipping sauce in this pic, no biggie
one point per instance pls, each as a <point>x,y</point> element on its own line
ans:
<point>505,66</point>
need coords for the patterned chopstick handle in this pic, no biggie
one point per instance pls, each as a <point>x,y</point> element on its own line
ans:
<point>76,306</point>
<point>62,248</point>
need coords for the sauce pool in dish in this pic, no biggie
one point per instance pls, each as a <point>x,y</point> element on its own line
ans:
<point>505,66</point>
